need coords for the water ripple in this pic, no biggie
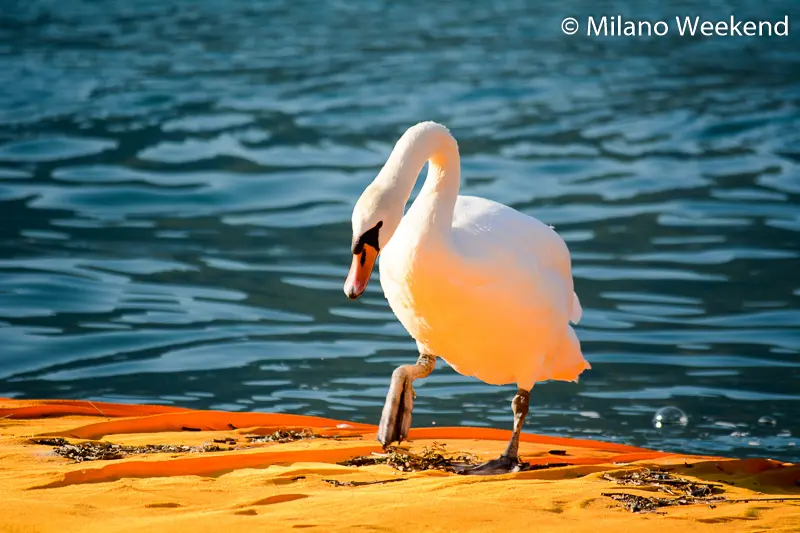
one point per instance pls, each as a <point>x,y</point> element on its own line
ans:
<point>176,189</point>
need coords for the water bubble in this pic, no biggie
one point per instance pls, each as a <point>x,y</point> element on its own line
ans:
<point>670,417</point>
<point>784,433</point>
<point>740,434</point>
<point>767,421</point>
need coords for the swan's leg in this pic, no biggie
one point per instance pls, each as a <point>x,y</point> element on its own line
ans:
<point>396,417</point>
<point>509,461</point>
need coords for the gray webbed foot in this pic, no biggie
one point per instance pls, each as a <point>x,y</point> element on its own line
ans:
<point>509,461</point>
<point>396,417</point>
<point>501,465</point>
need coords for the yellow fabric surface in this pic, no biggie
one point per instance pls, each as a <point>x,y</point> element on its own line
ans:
<point>299,485</point>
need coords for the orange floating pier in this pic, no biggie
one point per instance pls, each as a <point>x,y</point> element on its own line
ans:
<point>574,485</point>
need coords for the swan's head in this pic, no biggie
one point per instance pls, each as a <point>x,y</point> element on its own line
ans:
<point>375,218</point>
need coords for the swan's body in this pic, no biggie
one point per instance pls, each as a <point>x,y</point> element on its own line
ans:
<point>475,282</point>
<point>493,298</point>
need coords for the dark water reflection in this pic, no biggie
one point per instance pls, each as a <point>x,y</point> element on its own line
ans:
<point>176,180</point>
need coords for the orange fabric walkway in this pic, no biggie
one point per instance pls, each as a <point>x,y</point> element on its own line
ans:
<point>299,485</point>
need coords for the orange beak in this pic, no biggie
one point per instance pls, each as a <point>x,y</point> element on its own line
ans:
<point>360,271</point>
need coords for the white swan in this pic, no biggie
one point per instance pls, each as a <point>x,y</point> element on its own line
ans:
<point>486,288</point>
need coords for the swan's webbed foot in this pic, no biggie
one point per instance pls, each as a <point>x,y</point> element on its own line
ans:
<point>509,461</point>
<point>501,465</point>
<point>396,416</point>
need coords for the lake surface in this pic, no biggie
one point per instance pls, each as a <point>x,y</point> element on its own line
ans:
<point>177,178</point>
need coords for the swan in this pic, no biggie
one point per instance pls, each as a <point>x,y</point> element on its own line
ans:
<point>474,282</point>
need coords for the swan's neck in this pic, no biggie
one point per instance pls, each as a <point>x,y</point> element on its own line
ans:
<point>432,143</point>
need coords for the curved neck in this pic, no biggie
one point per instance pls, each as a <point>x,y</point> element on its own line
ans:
<point>432,143</point>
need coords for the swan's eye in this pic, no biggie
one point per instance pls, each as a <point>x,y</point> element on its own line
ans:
<point>369,237</point>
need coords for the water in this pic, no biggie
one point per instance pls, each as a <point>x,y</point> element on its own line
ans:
<point>176,180</point>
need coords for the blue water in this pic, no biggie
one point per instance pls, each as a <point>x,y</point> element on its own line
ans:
<point>176,181</point>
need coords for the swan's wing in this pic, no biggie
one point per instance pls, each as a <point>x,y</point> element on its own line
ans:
<point>516,252</point>
<point>577,310</point>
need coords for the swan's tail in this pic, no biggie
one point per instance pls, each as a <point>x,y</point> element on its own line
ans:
<point>577,310</point>
<point>569,362</point>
